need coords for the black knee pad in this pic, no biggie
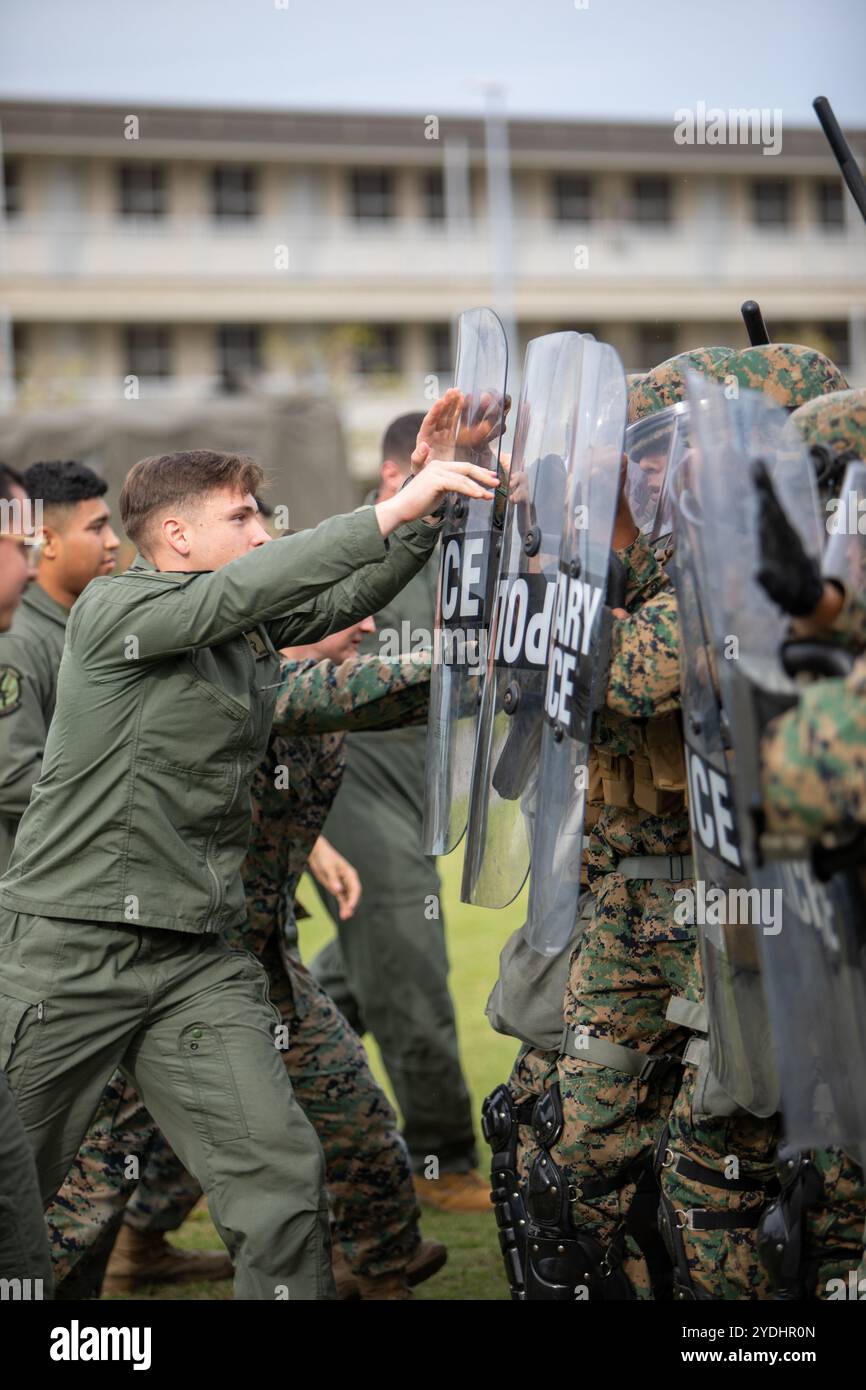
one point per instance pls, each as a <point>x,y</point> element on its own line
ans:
<point>499,1123</point>
<point>547,1117</point>
<point>566,1269</point>
<point>781,1237</point>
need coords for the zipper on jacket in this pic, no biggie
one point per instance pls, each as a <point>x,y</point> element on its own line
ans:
<point>217,902</point>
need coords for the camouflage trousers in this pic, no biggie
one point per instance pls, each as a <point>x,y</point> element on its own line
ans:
<point>370,1186</point>
<point>533,1072</point>
<point>739,1149</point>
<point>633,958</point>
<point>834,1228</point>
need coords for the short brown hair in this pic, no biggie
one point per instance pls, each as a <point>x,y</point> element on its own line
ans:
<point>171,480</point>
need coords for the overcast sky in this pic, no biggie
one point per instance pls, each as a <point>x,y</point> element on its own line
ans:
<point>616,58</point>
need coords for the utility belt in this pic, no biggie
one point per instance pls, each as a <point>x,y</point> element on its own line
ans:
<point>643,1066</point>
<point>674,868</point>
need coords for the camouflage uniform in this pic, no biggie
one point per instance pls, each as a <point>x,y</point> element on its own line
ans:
<point>731,1143</point>
<point>834,1226</point>
<point>633,957</point>
<point>814,758</point>
<point>389,964</point>
<point>787,373</point>
<point>368,1172</point>
<point>666,384</point>
<point>814,778</point>
<point>635,978</point>
<point>835,422</point>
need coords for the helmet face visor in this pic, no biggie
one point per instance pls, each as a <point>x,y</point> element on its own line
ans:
<point>652,446</point>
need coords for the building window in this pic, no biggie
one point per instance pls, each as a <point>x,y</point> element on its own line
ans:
<point>433,195</point>
<point>771,203</point>
<point>651,202</point>
<point>372,195</point>
<point>830,204</point>
<point>572,198</point>
<point>439,351</point>
<point>141,190</point>
<point>148,352</point>
<point>239,348</point>
<point>833,340</point>
<point>11,187</point>
<point>234,191</point>
<point>656,343</point>
<point>377,350</point>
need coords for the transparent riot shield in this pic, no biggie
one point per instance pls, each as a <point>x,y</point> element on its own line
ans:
<point>809,937</point>
<point>578,656</point>
<point>649,445</point>
<point>724,904</point>
<point>844,556</point>
<point>505,771</point>
<point>469,556</point>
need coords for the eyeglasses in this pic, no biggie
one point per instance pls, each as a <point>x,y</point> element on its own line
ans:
<point>31,545</point>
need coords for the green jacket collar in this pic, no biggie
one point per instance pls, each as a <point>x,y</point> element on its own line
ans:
<point>139,563</point>
<point>36,598</point>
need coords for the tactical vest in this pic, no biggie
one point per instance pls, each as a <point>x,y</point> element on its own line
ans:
<point>653,776</point>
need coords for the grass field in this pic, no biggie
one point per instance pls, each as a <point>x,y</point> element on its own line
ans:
<point>475,937</point>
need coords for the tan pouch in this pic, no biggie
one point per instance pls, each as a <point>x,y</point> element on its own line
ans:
<point>617,778</point>
<point>664,741</point>
<point>647,795</point>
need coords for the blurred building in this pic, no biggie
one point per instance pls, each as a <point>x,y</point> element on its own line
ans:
<point>187,253</point>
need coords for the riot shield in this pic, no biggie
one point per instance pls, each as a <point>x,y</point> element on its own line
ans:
<point>650,443</point>
<point>844,555</point>
<point>809,934</point>
<point>505,772</point>
<point>469,554</point>
<point>722,903</point>
<point>577,662</point>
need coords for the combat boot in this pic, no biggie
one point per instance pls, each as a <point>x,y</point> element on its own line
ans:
<point>145,1257</point>
<point>427,1261</point>
<point>454,1192</point>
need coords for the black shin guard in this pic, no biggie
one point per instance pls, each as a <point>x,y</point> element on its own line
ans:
<point>499,1123</point>
<point>564,1264</point>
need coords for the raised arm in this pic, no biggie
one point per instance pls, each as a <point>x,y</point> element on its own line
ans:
<point>364,692</point>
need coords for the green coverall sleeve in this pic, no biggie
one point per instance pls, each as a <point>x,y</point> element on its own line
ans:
<point>301,586</point>
<point>365,591</point>
<point>23,727</point>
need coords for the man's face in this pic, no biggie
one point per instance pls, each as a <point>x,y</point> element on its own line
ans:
<point>392,476</point>
<point>15,559</point>
<point>81,545</point>
<point>653,467</point>
<point>219,528</point>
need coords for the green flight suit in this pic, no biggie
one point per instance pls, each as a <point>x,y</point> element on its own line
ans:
<point>30,654</point>
<point>29,657</point>
<point>126,870</point>
<point>389,970</point>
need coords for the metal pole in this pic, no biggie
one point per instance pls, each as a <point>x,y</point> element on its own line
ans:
<point>500,217</point>
<point>7,346</point>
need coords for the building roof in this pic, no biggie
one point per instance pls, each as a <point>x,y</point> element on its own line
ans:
<point>82,129</point>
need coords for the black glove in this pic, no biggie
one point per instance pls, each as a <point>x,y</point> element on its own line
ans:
<point>790,576</point>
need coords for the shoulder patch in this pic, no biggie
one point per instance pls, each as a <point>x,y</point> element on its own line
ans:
<point>10,690</point>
